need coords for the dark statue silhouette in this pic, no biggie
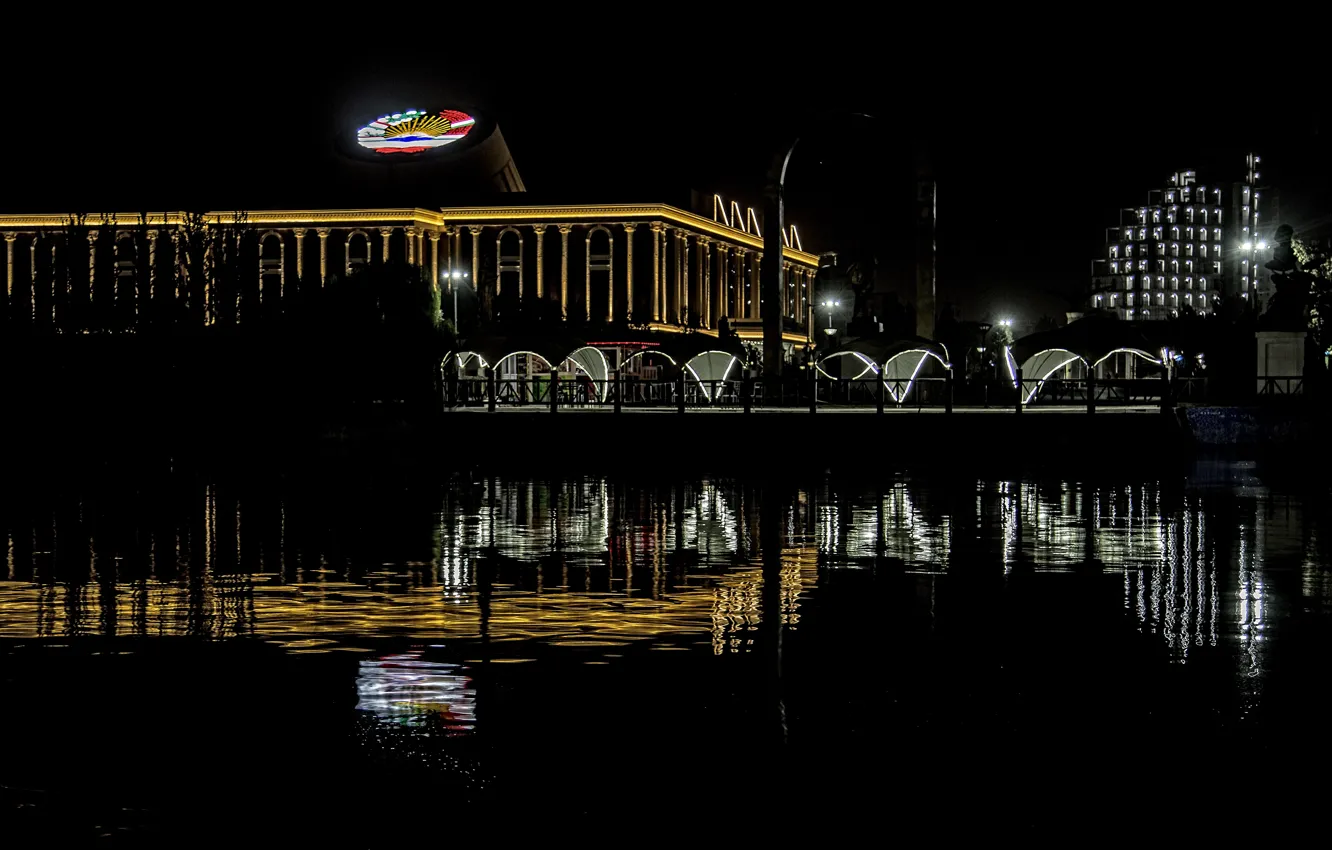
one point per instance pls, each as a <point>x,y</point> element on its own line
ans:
<point>1289,305</point>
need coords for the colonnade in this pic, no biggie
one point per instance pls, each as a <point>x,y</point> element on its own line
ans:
<point>690,277</point>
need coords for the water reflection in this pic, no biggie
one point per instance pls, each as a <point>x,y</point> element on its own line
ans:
<point>408,689</point>
<point>590,563</point>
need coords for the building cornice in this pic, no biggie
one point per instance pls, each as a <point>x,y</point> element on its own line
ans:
<point>424,218</point>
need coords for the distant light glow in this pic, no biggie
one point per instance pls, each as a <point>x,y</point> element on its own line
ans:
<point>414,131</point>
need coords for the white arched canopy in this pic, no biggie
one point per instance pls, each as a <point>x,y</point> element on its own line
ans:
<point>709,366</point>
<point>1042,365</point>
<point>649,351</point>
<point>1039,367</point>
<point>591,361</point>
<point>860,363</point>
<point>593,364</point>
<point>509,362</point>
<point>465,359</point>
<point>901,370</point>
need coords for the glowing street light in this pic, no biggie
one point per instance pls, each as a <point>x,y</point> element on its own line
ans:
<point>452,275</point>
<point>831,304</point>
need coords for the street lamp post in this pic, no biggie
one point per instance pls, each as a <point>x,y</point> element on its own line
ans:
<point>831,304</point>
<point>452,277</point>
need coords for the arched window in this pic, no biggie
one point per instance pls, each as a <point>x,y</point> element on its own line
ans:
<point>127,259</point>
<point>358,250</point>
<point>509,272</point>
<point>600,271</point>
<point>272,256</point>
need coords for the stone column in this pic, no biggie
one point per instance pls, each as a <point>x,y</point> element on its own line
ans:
<point>476,260</point>
<point>704,281</point>
<point>92,268</point>
<point>454,234</point>
<point>299,234</point>
<point>683,282</point>
<point>540,231</point>
<point>55,284</point>
<point>628,272</point>
<point>756,277</point>
<point>656,271</point>
<point>385,232</point>
<point>740,306</point>
<point>323,254</point>
<point>564,270</point>
<point>152,265</point>
<point>587,276</point>
<point>434,260</point>
<point>411,246</point>
<point>723,255</point>
<point>610,275</point>
<point>32,274</point>
<point>9,259</point>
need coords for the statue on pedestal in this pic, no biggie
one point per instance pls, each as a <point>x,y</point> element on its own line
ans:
<point>1288,308</point>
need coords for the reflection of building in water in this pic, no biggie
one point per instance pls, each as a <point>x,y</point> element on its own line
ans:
<point>410,690</point>
<point>1177,596</point>
<point>596,562</point>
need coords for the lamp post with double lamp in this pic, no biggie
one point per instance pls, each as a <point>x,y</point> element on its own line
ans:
<point>830,304</point>
<point>453,277</point>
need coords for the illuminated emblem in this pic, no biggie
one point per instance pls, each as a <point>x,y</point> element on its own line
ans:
<point>415,131</point>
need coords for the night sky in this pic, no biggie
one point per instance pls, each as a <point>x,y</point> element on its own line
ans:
<point>1029,147</point>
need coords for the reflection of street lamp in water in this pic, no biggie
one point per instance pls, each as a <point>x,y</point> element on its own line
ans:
<point>452,276</point>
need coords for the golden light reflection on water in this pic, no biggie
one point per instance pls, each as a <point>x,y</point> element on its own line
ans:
<point>588,564</point>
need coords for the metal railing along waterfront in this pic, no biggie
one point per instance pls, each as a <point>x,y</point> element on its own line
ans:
<point>918,394</point>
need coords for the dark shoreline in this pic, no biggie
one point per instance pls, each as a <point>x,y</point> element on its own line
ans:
<point>763,444</point>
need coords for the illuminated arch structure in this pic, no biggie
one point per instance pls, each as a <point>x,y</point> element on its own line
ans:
<point>1087,345</point>
<point>899,363</point>
<point>504,357</point>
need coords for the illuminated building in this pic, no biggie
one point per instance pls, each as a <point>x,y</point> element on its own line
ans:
<point>651,266</point>
<point>1191,244</point>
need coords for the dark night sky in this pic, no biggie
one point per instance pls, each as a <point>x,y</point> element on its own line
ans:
<point>1030,159</point>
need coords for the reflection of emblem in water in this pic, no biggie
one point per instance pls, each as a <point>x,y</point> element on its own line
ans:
<point>414,131</point>
<point>408,690</point>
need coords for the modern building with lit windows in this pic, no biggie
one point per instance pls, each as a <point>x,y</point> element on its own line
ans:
<point>1191,245</point>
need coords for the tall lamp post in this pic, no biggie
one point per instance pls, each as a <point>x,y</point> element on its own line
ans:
<point>453,276</point>
<point>830,304</point>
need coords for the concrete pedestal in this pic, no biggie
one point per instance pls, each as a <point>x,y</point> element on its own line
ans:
<point>1280,362</point>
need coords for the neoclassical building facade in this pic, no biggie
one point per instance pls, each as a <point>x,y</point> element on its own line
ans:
<point>651,265</point>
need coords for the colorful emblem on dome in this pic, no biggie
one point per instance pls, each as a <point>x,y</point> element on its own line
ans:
<point>415,131</point>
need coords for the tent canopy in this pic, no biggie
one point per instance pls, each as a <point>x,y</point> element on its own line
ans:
<point>881,348</point>
<point>1091,338</point>
<point>554,347</point>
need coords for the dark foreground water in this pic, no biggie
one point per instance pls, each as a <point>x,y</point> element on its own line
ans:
<point>366,661</point>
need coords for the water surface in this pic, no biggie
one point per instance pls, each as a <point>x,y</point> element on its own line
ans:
<point>364,660</point>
